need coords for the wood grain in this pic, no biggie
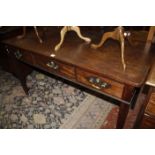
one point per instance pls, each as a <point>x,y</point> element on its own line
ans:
<point>115,89</point>
<point>105,60</point>
<point>76,61</point>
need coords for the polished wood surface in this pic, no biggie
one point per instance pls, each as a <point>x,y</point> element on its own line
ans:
<point>150,108</point>
<point>76,61</point>
<point>105,61</point>
<point>63,32</point>
<point>124,108</point>
<point>115,89</point>
<point>119,35</point>
<point>150,38</point>
<point>151,78</point>
<point>55,66</point>
<point>146,117</point>
<point>21,36</point>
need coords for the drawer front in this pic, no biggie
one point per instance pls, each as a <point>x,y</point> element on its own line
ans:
<point>4,49</point>
<point>19,54</point>
<point>148,122</point>
<point>24,56</point>
<point>100,83</point>
<point>55,66</point>
<point>4,58</point>
<point>150,109</point>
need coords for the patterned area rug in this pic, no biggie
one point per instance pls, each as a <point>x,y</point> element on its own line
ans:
<point>50,104</point>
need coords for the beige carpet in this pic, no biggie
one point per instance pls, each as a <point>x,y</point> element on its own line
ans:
<point>89,115</point>
<point>51,104</point>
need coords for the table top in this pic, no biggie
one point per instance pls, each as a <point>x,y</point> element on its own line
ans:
<point>104,61</point>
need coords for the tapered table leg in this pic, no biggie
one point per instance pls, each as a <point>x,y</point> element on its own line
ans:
<point>23,71</point>
<point>123,112</point>
<point>20,70</point>
<point>124,108</point>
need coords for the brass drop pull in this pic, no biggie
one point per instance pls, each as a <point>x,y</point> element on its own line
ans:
<point>52,65</point>
<point>18,54</point>
<point>98,83</point>
<point>7,50</point>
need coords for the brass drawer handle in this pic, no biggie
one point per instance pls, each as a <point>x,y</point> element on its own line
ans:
<point>98,83</point>
<point>52,65</point>
<point>18,54</point>
<point>7,50</point>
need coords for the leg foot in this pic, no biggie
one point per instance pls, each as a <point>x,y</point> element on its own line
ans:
<point>23,34</point>
<point>65,29</point>
<point>62,36</point>
<point>36,32</point>
<point>78,32</point>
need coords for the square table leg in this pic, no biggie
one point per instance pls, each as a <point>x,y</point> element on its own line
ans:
<point>124,108</point>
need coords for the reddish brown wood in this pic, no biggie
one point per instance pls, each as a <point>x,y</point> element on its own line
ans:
<point>76,60</point>
<point>115,88</point>
<point>146,117</point>
<point>150,108</point>
<point>4,58</point>
<point>61,68</point>
<point>124,108</point>
<point>11,64</point>
<point>20,54</point>
<point>105,61</point>
<point>147,122</point>
<point>20,70</point>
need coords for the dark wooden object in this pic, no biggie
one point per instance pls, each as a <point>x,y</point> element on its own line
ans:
<point>10,63</point>
<point>9,31</point>
<point>146,117</point>
<point>150,38</point>
<point>99,70</point>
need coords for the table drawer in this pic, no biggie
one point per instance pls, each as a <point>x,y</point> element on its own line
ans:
<point>148,122</point>
<point>54,66</point>
<point>100,83</point>
<point>19,54</point>
<point>24,56</point>
<point>150,108</point>
<point>4,49</point>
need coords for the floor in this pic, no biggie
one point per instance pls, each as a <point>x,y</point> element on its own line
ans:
<point>60,93</point>
<point>111,119</point>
